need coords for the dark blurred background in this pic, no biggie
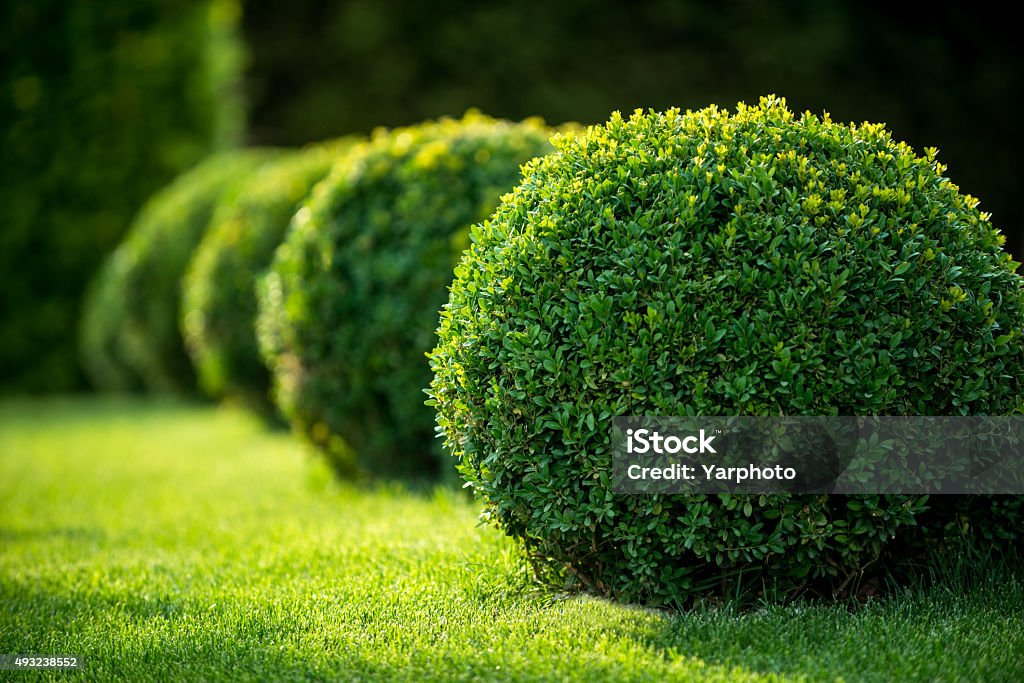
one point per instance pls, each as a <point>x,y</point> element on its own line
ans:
<point>947,76</point>
<point>101,103</point>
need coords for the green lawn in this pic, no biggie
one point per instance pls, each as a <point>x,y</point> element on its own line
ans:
<point>162,541</point>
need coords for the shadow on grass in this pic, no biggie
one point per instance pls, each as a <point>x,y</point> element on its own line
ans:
<point>155,639</point>
<point>955,630</point>
<point>963,627</point>
<point>85,410</point>
<point>83,535</point>
<point>923,636</point>
<point>485,627</point>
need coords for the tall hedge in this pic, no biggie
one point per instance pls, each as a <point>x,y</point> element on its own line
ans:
<point>348,309</point>
<point>218,314</point>
<point>130,324</point>
<point>102,104</point>
<point>754,262</point>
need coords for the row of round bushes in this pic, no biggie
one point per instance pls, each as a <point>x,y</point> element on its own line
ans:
<point>218,294</point>
<point>698,263</point>
<point>130,324</point>
<point>350,305</point>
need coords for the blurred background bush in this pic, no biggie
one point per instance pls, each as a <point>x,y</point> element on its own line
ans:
<point>130,317</point>
<point>348,310</point>
<point>218,307</point>
<point>103,103</point>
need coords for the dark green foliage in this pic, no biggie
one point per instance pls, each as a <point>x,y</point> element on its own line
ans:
<point>349,308</point>
<point>102,103</point>
<point>948,77</point>
<point>714,264</point>
<point>130,323</point>
<point>219,296</point>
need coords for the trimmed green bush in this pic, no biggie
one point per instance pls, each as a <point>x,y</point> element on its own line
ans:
<point>101,353</point>
<point>219,297</point>
<point>103,103</point>
<point>131,320</point>
<point>348,310</point>
<point>708,263</point>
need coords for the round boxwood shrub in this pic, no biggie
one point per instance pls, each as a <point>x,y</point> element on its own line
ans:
<point>708,263</point>
<point>219,296</point>
<point>349,307</point>
<point>131,320</point>
<point>101,353</point>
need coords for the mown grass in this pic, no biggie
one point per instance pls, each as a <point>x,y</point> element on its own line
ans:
<point>163,542</point>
